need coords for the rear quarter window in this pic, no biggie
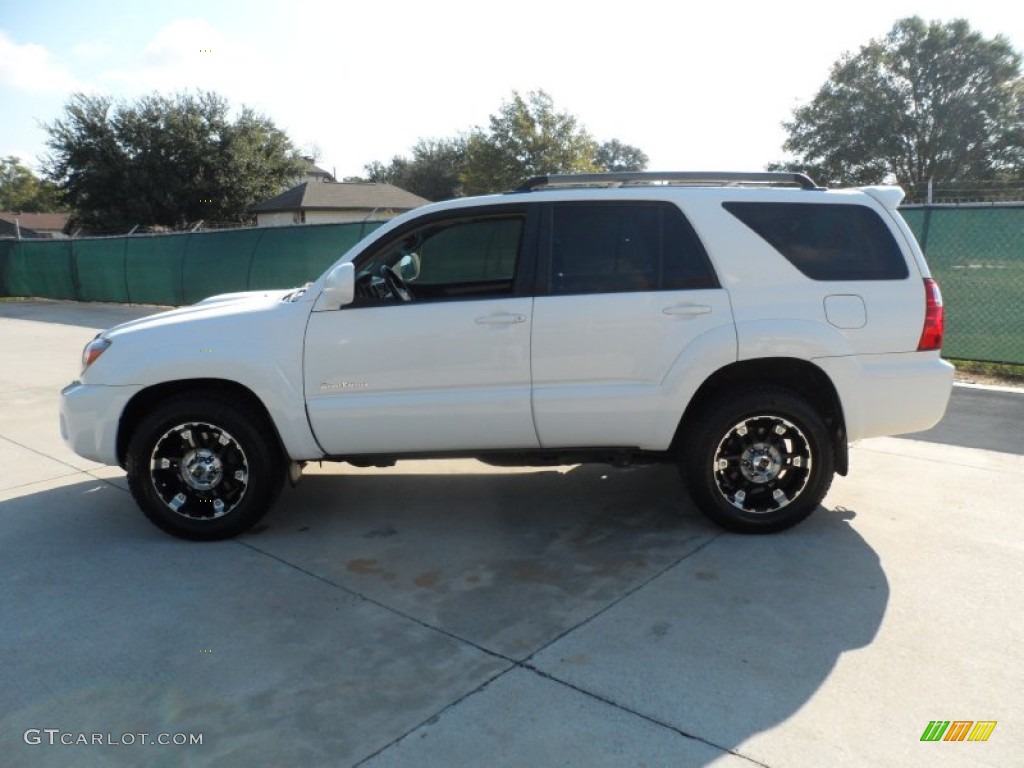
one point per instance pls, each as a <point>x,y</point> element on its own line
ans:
<point>827,241</point>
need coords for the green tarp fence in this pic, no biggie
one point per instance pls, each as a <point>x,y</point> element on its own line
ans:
<point>976,254</point>
<point>174,269</point>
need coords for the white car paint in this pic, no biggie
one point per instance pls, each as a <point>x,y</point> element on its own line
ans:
<point>421,377</point>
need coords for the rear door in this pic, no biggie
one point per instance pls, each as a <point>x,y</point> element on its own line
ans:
<point>625,291</point>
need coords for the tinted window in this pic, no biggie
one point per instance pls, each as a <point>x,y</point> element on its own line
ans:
<point>827,242</point>
<point>625,247</point>
<point>461,258</point>
<point>468,252</point>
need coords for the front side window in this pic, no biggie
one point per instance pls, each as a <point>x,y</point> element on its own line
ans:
<point>827,241</point>
<point>466,257</point>
<point>615,247</point>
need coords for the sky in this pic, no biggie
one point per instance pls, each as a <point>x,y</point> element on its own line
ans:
<point>697,86</point>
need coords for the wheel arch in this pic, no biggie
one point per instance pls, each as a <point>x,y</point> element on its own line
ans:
<point>799,376</point>
<point>146,399</point>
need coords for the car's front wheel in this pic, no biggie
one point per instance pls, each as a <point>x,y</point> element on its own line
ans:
<point>759,461</point>
<point>204,467</point>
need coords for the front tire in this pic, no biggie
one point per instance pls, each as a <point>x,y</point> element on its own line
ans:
<point>204,467</point>
<point>759,461</point>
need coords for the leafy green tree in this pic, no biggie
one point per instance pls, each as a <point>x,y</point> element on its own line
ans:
<point>525,138</point>
<point>22,190</point>
<point>615,156</point>
<point>929,100</point>
<point>165,160</point>
<point>433,172</point>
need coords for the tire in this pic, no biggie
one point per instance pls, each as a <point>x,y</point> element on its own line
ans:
<point>758,461</point>
<point>204,467</point>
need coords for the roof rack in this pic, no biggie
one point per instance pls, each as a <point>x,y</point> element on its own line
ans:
<point>636,178</point>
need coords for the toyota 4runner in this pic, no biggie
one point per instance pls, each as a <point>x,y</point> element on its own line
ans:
<point>744,326</point>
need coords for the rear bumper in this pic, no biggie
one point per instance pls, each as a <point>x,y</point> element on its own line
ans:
<point>89,418</point>
<point>890,394</point>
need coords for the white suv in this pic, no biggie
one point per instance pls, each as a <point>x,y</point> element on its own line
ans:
<point>744,326</point>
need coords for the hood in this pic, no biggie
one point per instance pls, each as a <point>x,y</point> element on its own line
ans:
<point>223,305</point>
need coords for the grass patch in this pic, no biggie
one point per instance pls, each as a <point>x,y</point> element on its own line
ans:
<point>1005,371</point>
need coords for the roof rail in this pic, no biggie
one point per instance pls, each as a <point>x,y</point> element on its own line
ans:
<point>625,178</point>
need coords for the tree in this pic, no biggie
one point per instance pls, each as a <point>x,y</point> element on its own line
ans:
<point>929,100</point>
<point>165,160</point>
<point>22,190</point>
<point>527,137</point>
<point>433,172</point>
<point>615,156</point>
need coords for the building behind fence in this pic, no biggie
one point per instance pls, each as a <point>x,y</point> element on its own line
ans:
<point>975,252</point>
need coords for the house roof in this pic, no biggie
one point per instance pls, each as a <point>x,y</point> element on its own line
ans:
<point>316,170</point>
<point>41,222</point>
<point>7,229</point>
<point>343,196</point>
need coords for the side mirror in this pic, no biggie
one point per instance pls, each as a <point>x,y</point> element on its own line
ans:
<point>409,267</point>
<point>339,288</point>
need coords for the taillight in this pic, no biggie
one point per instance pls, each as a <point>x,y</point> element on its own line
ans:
<point>934,317</point>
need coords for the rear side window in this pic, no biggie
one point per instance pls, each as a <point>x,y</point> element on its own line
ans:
<point>614,247</point>
<point>827,242</point>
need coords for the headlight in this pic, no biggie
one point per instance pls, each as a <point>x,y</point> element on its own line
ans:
<point>93,350</point>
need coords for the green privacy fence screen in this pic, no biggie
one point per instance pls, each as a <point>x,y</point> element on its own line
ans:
<point>977,255</point>
<point>173,269</point>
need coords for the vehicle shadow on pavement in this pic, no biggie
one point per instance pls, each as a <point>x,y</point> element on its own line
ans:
<point>383,597</point>
<point>606,580</point>
<point>737,638</point>
<point>506,560</point>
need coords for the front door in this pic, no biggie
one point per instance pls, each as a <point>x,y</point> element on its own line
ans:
<point>434,354</point>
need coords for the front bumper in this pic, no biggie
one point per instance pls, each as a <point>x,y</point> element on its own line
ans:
<point>89,418</point>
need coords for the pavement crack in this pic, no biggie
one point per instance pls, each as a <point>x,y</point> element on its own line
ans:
<point>434,717</point>
<point>641,715</point>
<point>378,603</point>
<point>75,470</point>
<point>36,482</point>
<point>40,453</point>
<point>624,596</point>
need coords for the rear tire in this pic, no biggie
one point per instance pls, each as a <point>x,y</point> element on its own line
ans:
<point>758,461</point>
<point>204,467</point>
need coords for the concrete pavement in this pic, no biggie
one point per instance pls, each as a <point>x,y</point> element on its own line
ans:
<point>450,613</point>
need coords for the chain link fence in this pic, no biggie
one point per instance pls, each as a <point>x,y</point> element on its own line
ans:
<point>960,192</point>
<point>976,252</point>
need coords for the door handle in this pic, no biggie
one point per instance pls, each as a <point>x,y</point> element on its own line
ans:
<point>686,310</point>
<point>502,318</point>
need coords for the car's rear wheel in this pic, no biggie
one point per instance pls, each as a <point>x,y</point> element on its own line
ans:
<point>204,467</point>
<point>759,461</point>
